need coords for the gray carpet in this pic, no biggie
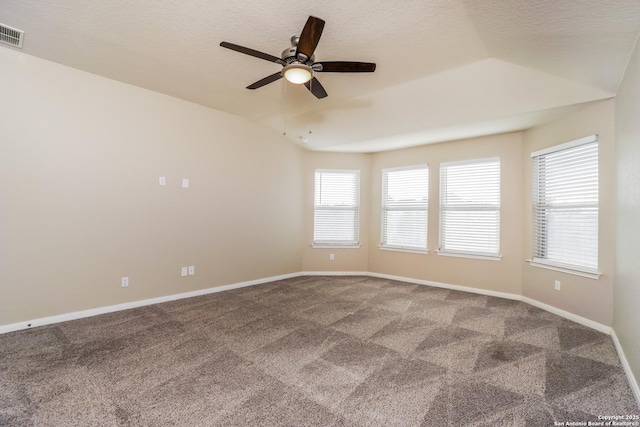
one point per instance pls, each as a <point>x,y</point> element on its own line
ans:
<point>311,351</point>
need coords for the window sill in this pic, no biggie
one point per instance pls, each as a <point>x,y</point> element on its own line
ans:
<point>334,246</point>
<point>471,256</point>
<point>401,249</point>
<point>587,274</point>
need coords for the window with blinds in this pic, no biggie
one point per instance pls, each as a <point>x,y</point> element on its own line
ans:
<point>565,205</point>
<point>470,208</point>
<point>336,206</point>
<point>405,195</point>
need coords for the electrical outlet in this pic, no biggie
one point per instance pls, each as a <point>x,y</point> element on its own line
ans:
<point>124,282</point>
<point>162,181</point>
<point>557,285</point>
<point>185,183</point>
<point>184,271</point>
<point>332,257</point>
<point>192,270</point>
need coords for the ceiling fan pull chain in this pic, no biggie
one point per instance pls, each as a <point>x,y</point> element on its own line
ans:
<point>284,111</point>
<point>308,115</point>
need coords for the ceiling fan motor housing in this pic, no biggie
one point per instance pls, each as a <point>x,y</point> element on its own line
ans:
<point>289,56</point>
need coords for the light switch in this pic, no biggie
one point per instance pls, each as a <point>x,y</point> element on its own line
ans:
<point>162,180</point>
<point>192,270</point>
<point>185,183</point>
<point>183,271</point>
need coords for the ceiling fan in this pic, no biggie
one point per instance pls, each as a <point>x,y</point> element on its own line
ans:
<point>298,62</point>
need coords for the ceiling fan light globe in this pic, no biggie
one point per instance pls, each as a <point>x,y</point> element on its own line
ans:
<point>297,73</point>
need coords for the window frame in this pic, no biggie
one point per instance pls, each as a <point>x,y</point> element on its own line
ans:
<point>399,208</point>
<point>443,251</point>
<point>542,262</point>
<point>355,207</point>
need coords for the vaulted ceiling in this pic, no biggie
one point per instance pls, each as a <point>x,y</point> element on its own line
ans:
<point>446,69</point>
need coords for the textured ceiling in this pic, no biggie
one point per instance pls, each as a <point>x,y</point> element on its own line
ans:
<point>446,69</point>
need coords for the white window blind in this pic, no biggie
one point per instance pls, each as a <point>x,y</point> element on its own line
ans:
<point>470,207</point>
<point>565,205</point>
<point>336,206</point>
<point>405,195</point>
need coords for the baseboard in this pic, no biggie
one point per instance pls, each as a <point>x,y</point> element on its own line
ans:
<point>335,273</point>
<point>633,383</point>
<point>134,304</point>
<point>562,313</point>
<point>125,306</point>
<point>447,286</point>
<point>568,315</point>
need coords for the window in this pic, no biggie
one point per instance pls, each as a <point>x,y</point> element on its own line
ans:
<point>336,205</point>
<point>405,195</point>
<point>470,208</point>
<point>565,206</point>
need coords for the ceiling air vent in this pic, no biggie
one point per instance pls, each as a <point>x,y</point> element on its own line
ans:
<point>11,36</point>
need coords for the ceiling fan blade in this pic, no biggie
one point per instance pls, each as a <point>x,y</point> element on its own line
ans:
<point>310,36</point>
<point>346,67</point>
<point>269,79</point>
<point>252,52</point>
<point>316,88</point>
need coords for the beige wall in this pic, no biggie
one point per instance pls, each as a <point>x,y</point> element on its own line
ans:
<point>345,259</point>
<point>589,298</point>
<point>502,276</point>
<point>80,205</point>
<point>626,308</point>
